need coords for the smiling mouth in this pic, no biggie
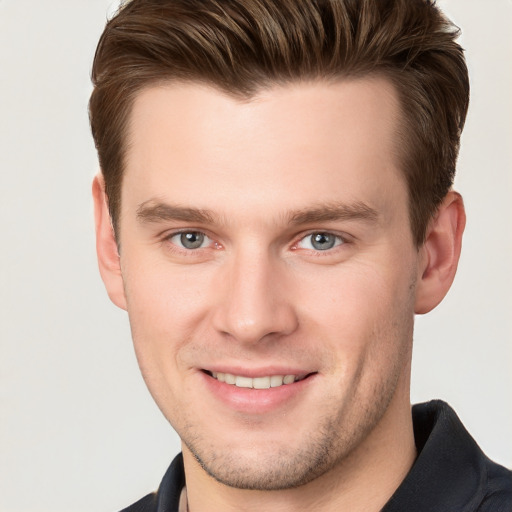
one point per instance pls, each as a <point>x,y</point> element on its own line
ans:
<point>267,382</point>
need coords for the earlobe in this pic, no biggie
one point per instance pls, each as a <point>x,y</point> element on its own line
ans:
<point>109,261</point>
<point>440,253</point>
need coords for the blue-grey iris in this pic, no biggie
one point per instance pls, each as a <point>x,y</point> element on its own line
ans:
<point>323,241</point>
<point>192,240</point>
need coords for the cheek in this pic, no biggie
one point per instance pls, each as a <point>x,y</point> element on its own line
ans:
<point>363,311</point>
<point>353,294</point>
<point>164,298</point>
<point>166,309</point>
<point>366,319</point>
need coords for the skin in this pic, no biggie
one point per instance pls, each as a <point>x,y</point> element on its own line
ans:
<point>257,297</point>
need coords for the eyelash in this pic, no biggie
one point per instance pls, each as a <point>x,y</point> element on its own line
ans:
<point>340,240</point>
<point>183,250</point>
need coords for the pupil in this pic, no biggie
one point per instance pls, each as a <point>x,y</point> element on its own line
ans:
<point>323,241</point>
<point>192,240</point>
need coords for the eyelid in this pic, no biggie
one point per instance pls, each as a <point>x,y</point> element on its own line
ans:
<point>169,233</point>
<point>343,237</point>
<point>206,240</point>
<point>167,236</point>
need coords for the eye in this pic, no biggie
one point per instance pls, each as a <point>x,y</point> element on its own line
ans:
<point>320,241</point>
<point>190,240</point>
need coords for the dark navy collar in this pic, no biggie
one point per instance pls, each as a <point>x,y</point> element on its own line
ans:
<point>450,473</point>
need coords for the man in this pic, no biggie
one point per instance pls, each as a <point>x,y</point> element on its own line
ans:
<point>274,206</point>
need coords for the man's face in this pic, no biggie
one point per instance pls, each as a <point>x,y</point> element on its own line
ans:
<point>267,243</point>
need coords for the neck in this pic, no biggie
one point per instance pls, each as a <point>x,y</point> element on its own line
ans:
<point>363,481</point>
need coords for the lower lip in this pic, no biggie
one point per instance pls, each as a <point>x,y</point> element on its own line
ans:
<point>256,401</point>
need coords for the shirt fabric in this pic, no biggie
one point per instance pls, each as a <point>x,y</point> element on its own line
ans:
<point>450,474</point>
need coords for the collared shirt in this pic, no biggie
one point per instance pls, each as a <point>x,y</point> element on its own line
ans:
<point>451,473</point>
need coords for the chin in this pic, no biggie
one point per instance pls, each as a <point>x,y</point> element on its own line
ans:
<point>268,471</point>
<point>276,464</point>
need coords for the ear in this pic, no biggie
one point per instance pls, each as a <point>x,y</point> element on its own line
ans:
<point>109,261</point>
<point>439,255</point>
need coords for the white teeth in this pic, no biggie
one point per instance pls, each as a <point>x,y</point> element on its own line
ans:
<point>261,383</point>
<point>272,381</point>
<point>276,381</point>
<point>243,382</point>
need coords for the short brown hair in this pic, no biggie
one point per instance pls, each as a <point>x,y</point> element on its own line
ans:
<point>241,46</point>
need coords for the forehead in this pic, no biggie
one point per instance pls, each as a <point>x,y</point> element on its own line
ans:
<point>311,142</point>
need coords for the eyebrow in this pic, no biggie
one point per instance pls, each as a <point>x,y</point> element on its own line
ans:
<point>334,212</point>
<point>151,211</point>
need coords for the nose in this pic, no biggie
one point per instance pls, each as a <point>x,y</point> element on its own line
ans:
<point>254,304</point>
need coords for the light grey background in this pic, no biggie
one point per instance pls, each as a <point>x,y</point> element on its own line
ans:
<point>78,430</point>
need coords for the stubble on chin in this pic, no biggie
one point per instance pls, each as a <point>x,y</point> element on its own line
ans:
<point>276,467</point>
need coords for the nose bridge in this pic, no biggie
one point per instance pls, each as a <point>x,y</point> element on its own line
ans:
<point>254,304</point>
